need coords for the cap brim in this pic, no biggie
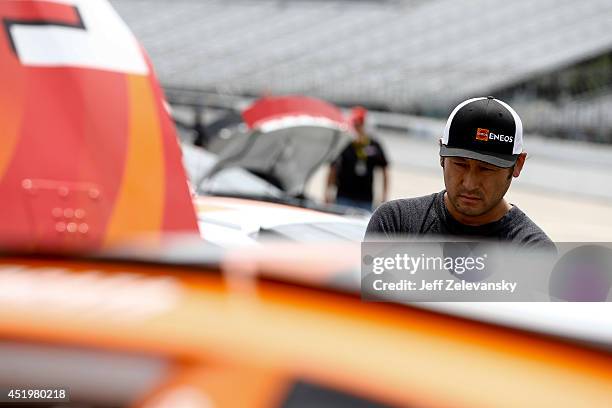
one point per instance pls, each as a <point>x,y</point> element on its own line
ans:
<point>496,159</point>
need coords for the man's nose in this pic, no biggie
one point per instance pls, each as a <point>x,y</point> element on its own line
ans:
<point>470,180</point>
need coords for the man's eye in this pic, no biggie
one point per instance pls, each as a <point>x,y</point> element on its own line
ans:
<point>486,169</point>
<point>463,165</point>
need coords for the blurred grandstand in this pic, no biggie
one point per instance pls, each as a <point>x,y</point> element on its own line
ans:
<point>552,59</point>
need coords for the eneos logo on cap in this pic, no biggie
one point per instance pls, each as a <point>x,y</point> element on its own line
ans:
<point>482,134</point>
<point>485,135</point>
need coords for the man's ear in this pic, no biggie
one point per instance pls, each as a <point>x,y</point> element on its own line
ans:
<point>520,162</point>
<point>442,161</point>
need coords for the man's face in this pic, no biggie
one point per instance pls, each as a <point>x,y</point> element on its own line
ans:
<point>474,187</point>
<point>360,131</point>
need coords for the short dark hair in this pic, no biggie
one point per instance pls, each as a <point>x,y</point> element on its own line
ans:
<point>511,171</point>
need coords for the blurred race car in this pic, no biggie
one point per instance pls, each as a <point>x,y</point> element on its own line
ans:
<point>253,189</point>
<point>281,326</point>
<point>236,207</point>
<point>109,296</point>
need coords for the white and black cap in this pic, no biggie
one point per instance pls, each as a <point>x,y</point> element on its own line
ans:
<point>484,129</point>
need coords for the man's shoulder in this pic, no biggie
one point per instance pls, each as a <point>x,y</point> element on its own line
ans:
<point>401,215</point>
<point>376,143</point>
<point>374,140</point>
<point>528,233</point>
<point>408,204</point>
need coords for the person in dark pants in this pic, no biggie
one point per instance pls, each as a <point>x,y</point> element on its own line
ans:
<point>481,151</point>
<point>352,173</point>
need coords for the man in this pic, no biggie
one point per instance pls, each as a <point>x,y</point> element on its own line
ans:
<point>480,152</point>
<point>353,171</point>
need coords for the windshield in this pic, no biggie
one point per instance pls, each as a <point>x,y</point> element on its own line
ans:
<point>233,181</point>
<point>286,157</point>
<point>241,183</point>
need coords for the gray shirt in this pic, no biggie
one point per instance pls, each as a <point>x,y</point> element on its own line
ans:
<point>428,215</point>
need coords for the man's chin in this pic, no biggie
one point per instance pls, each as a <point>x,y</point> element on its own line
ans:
<point>469,210</point>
